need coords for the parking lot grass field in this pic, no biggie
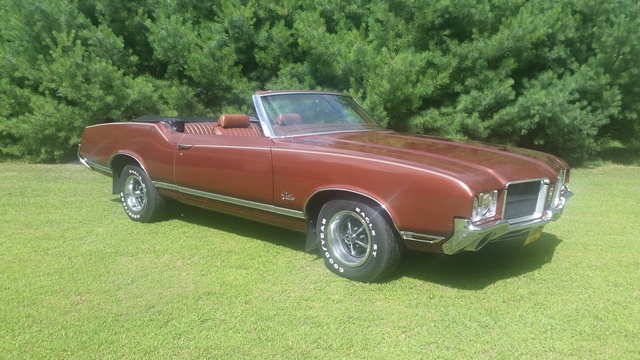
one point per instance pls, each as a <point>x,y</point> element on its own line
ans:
<point>78,279</point>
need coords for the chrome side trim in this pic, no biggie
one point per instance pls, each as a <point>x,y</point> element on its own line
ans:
<point>93,166</point>
<point>214,146</point>
<point>102,168</point>
<point>429,239</point>
<point>231,200</point>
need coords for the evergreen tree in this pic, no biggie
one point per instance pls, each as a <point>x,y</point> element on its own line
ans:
<point>561,76</point>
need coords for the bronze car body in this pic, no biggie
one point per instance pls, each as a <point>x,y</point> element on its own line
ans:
<point>312,156</point>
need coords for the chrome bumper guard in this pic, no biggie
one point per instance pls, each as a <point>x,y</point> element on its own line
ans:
<point>467,237</point>
<point>84,161</point>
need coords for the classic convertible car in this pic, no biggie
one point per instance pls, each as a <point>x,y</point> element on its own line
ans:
<point>317,163</point>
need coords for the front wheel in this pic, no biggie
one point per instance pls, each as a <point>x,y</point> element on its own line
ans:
<point>139,198</point>
<point>356,242</point>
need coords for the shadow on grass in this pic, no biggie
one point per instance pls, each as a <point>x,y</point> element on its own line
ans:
<point>238,226</point>
<point>467,270</point>
<point>477,270</point>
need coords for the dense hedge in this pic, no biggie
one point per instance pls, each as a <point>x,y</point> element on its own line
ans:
<point>559,75</point>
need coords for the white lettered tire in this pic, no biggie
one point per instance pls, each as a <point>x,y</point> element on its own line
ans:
<point>356,242</point>
<point>139,198</point>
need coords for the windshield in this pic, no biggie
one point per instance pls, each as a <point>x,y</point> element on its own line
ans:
<point>312,113</point>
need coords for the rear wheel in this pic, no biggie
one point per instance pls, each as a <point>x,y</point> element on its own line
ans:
<point>356,242</point>
<point>140,199</point>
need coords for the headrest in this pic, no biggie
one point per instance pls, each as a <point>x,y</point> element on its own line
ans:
<point>234,121</point>
<point>288,119</point>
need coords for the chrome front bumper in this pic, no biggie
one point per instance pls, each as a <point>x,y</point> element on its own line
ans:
<point>467,237</point>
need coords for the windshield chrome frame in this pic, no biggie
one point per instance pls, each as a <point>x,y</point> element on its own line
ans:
<point>266,124</point>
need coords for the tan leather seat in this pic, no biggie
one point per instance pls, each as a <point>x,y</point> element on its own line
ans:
<point>201,128</point>
<point>236,125</point>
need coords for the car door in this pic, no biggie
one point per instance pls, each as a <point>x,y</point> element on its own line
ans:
<point>228,173</point>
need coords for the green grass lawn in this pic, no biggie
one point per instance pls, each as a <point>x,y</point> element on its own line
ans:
<point>80,280</point>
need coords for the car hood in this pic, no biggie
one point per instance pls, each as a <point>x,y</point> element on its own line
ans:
<point>492,165</point>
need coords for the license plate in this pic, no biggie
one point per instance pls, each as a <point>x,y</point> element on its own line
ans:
<point>534,235</point>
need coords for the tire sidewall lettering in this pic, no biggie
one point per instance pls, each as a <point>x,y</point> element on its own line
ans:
<point>126,208</point>
<point>130,213</point>
<point>332,262</point>
<point>148,205</point>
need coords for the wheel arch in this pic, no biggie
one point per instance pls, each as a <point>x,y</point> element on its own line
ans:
<point>117,164</point>
<point>319,198</point>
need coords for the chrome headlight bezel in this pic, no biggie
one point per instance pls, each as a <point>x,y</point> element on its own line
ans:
<point>485,205</point>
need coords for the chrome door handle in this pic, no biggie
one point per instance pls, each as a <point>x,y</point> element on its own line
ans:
<point>184,146</point>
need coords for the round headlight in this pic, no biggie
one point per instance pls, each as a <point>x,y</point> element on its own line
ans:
<point>485,204</point>
<point>475,212</point>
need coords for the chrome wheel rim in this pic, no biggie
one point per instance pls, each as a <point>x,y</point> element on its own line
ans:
<point>350,238</point>
<point>135,194</point>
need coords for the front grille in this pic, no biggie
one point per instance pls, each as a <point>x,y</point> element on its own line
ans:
<point>522,199</point>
